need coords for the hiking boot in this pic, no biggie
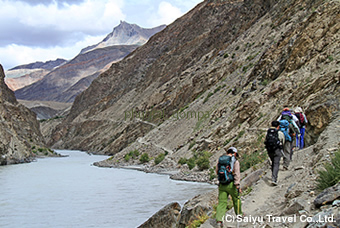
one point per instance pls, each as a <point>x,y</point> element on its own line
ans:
<point>274,183</point>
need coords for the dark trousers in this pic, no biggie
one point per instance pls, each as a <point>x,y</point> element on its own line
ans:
<point>275,157</point>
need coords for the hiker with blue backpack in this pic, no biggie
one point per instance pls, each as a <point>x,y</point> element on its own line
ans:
<point>229,177</point>
<point>289,129</point>
<point>302,121</point>
<point>274,143</point>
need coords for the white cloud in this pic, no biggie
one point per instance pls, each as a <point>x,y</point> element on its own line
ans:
<point>89,16</point>
<point>53,29</point>
<point>166,14</point>
<point>9,56</point>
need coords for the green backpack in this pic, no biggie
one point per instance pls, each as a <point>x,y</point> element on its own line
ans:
<point>225,172</point>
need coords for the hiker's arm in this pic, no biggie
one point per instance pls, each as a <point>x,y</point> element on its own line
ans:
<point>304,116</point>
<point>296,128</point>
<point>237,174</point>
<point>217,168</point>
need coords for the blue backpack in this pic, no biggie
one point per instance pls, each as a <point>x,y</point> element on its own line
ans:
<point>225,171</point>
<point>284,127</point>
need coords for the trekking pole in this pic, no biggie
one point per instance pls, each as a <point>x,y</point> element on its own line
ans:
<point>238,205</point>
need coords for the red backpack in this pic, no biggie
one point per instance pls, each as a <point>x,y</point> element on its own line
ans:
<point>301,119</point>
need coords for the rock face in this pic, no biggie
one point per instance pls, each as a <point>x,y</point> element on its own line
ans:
<point>19,130</point>
<point>166,217</point>
<point>328,196</point>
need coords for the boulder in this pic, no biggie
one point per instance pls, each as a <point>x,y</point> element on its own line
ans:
<point>196,207</point>
<point>166,217</point>
<point>251,179</point>
<point>328,195</point>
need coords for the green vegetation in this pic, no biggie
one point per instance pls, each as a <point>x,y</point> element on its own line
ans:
<point>201,159</point>
<point>330,58</point>
<point>160,158</point>
<point>191,162</point>
<point>133,154</point>
<point>53,118</point>
<point>198,221</point>
<point>252,159</point>
<point>264,82</point>
<point>330,175</point>
<point>226,55</point>
<point>144,158</point>
<point>207,98</point>
<point>192,144</point>
<point>240,134</point>
<point>212,173</point>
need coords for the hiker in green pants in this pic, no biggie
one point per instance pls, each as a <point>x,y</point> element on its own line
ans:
<point>229,176</point>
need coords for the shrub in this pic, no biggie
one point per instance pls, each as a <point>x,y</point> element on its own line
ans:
<point>159,158</point>
<point>134,153</point>
<point>331,173</point>
<point>127,157</point>
<point>182,161</point>
<point>212,174</point>
<point>144,158</point>
<point>191,163</point>
<point>203,160</point>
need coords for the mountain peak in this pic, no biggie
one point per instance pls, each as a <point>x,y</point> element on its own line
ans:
<point>126,34</point>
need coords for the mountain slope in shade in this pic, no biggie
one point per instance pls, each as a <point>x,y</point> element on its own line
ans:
<point>57,82</point>
<point>48,65</point>
<point>126,34</point>
<point>19,128</point>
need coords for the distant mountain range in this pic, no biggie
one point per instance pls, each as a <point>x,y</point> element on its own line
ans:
<point>62,80</point>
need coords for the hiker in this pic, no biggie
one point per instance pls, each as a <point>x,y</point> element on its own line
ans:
<point>274,142</point>
<point>302,121</point>
<point>229,176</point>
<point>289,129</point>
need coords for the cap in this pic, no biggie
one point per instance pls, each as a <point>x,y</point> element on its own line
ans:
<point>232,149</point>
<point>298,109</point>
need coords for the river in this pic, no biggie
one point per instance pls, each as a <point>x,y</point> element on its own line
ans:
<point>71,192</point>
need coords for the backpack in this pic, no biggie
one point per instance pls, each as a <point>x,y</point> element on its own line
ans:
<point>272,141</point>
<point>225,175</point>
<point>301,119</point>
<point>284,127</point>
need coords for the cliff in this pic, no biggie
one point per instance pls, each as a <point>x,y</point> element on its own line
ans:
<point>19,131</point>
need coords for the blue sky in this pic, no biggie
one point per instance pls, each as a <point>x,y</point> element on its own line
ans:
<point>42,30</point>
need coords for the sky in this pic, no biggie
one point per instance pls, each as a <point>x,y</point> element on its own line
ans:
<point>42,30</point>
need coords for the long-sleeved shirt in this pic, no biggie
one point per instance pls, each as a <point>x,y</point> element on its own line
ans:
<point>237,173</point>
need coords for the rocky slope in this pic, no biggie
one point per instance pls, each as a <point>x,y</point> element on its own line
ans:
<point>234,63</point>
<point>24,75</point>
<point>53,86</point>
<point>19,131</point>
